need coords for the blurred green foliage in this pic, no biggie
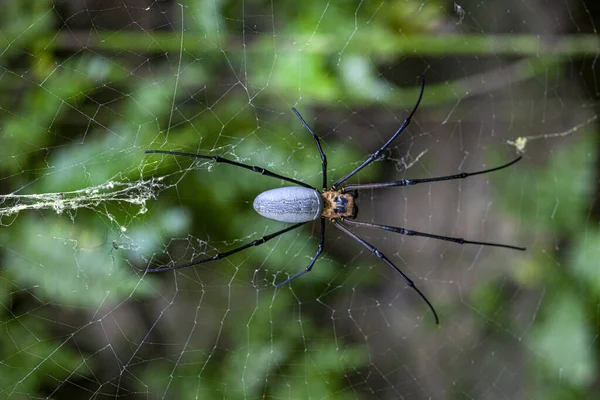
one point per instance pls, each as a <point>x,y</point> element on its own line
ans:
<point>80,115</point>
<point>565,329</point>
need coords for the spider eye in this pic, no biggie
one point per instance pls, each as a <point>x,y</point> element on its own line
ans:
<point>340,205</point>
<point>340,201</point>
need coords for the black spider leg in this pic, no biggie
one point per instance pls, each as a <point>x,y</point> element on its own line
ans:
<point>220,256</point>
<point>323,157</point>
<point>410,182</point>
<point>312,262</point>
<point>379,254</point>
<point>218,159</point>
<point>374,156</point>
<point>408,232</point>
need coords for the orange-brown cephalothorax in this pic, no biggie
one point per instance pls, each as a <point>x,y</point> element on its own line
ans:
<point>338,205</point>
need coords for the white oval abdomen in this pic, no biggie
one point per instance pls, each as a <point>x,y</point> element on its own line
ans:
<point>290,204</point>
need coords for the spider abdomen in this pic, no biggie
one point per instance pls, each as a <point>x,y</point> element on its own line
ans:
<point>290,204</point>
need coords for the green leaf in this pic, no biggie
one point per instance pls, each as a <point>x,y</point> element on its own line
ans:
<point>563,342</point>
<point>69,265</point>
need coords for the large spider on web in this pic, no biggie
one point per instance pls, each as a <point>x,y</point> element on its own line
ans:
<point>303,203</point>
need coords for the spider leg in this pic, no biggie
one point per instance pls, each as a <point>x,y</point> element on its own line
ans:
<point>218,159</point>
<point>219,256</point>
<point>379,254</point>
<point>410,182</point>
<point>408,232</point>
<point>374,156</point>
<point>323,157</point>
<point>312,262</point>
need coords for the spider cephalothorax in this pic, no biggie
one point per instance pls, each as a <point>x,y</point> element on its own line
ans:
<point>303,203</point>
<point>338,205</point>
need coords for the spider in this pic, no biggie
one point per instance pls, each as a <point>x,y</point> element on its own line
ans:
<point>303,203</point>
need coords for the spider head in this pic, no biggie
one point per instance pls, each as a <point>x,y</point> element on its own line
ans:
<point>338,205</point>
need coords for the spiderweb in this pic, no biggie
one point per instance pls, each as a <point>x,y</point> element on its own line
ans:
<point>88,86</point>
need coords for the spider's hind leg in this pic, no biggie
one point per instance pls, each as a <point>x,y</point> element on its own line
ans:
<point>313,260</point>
